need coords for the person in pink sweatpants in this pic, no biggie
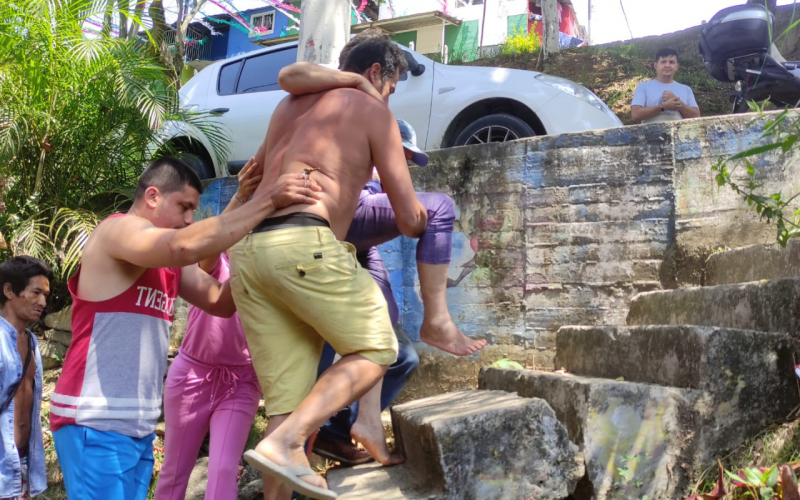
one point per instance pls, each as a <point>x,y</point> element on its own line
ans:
<point>211,385</point>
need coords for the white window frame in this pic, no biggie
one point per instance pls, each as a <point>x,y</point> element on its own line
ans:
<point>263,16</point>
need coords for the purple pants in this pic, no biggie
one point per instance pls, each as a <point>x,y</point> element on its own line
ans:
<point>374,223</point>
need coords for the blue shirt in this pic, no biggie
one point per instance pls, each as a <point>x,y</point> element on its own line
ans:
<point>649,95</point>
<point>10,373</point>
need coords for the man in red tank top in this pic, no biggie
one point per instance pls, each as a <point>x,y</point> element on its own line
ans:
<point>108,399</point>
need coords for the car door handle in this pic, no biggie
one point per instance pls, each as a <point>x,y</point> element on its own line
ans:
<point>220,111</point>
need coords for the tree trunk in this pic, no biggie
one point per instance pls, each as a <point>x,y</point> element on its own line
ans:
<point>107,18</point>
<point>549,28</point>
<point>161,47</point>
<point>124,9</point>
<point>324,30</point>
<point>138,11</point>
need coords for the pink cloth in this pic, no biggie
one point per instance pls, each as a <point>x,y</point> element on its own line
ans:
<point>213,340</point>
<point>198,398</point>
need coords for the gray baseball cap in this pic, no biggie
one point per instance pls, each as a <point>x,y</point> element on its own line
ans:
<point>410,143</point>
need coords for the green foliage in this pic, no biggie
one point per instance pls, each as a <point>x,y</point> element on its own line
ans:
<point>507,364</point>
<point>779,137</point>
<point>81,117</point>
<point>521,42</point>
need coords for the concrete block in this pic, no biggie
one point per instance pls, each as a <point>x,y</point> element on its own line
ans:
<point>748,376</point>
<point>375,482</point>
<point>487,445</point>
<point>754,262</point>
<point>633,437</point>
<point>53,353</point>
<point>767,306</point>
<point>58,336</point>
<point>61,320</point>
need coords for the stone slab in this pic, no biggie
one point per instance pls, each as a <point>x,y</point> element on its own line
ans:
<point>752,263</point>
<point>633,437</point>
<point>62,337</point>
<point>747,375</point>
<point>375,482</point>
<point>487,445</point>
<point>768,306</point>
<point>61,320</point>
<point>53,354</point>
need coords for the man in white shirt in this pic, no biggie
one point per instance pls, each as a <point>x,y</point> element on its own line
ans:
<point>663,99</point>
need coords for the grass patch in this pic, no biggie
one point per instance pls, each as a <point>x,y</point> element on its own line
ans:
<point>778,444</point>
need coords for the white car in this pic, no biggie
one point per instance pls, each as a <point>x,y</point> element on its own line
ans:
<point>447,105</point>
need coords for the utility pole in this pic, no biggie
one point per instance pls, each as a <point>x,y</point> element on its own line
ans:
<point>590,16</point>
<point>324,30</point>
<point>550,28</point>
<point>483,25</point>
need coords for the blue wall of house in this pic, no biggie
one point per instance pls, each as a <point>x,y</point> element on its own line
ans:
<point>240,43</point>
<point>219,45</point>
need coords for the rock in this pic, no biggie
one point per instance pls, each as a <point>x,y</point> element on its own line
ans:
<point>179,323</point>
<point>633,436</point>
<point>61,320</point>
<point>251,490</point>
<point>198,481</point>
<point>749,374</point>
<point>753,263</point>
<point>250,484</point>
<point>52,353</point>
<point>375,482</point>
<point>59,336</point>
<point>766,306</point>
<point>487,445</point>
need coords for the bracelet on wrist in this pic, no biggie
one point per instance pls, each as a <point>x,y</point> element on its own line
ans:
<point>240,200</point>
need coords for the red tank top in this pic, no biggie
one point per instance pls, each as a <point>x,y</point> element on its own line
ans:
<point>114,369</point>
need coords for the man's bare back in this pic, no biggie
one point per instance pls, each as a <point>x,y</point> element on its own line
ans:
<point>342,133</point>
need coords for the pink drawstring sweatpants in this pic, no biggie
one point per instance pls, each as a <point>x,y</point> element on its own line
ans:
<point>198,398</point>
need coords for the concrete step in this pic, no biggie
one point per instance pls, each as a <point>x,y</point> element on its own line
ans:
<point>767,306</point>
<point>753,263</point>
<point>749,375</point>
<point>487,445</point>
<point>636,439</point>
<point>375,482</point>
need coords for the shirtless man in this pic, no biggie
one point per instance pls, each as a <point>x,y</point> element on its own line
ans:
<point>297,284</point>
<point>433,250</point>
<point>374,224</point>
<point>24,287</point>
<point>107,401</point>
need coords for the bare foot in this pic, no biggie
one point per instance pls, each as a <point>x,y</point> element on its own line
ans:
<point>370,434</point>
<point>289,457</point>
<point>445,335</point>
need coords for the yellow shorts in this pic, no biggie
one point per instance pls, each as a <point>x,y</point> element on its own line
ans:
<point>294,289</point>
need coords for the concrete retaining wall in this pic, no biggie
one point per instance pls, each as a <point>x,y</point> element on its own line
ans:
<point>565,230</point>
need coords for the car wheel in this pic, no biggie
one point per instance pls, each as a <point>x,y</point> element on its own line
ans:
<point>200,165</point>
<point>494,128</point>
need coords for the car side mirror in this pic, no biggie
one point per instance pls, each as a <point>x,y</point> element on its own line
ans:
<point>414,67</point>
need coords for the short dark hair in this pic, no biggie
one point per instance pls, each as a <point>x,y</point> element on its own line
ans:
<point>369,47</point>
<point>18,271</point>
<point>169,175</point>
<point>666,53</point>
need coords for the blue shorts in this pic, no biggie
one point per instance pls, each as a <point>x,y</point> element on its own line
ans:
<point>104,465</point>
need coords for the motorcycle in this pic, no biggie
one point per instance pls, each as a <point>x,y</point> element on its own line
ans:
<point>736,47</point>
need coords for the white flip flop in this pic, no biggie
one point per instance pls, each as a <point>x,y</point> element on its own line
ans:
<point>290,476</point>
